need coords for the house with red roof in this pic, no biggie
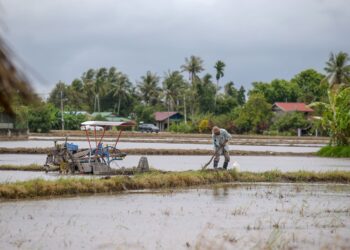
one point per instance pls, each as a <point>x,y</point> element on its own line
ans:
<point>165,119</point>
<point>285,107</point>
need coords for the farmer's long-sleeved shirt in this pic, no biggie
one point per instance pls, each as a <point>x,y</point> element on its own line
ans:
<point>220,139</point>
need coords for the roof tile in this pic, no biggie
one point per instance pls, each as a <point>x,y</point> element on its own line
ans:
<point>293,106</point>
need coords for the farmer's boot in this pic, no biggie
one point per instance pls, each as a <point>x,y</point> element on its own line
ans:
<point>216,163</point>
<point>225,165</point>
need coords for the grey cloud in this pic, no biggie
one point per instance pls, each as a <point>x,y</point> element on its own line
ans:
<point>258,39</point>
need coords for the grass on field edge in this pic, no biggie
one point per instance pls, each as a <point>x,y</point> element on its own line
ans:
<point>335,151</point>
<point>156,180</point>
<point>30,167</point>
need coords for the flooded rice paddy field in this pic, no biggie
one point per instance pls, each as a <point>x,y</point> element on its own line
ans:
<point>240,216</point>
<point>297,141</point>
<point>127,145</point>
<point>194,162</point>
<point>183,163</point>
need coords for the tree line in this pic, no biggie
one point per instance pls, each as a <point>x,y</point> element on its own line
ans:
<point>108,89</point>
<point>196,94</point>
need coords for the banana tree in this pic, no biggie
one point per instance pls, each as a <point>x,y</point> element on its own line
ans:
<point>336,117</point>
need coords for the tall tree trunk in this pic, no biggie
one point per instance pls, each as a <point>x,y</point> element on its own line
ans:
<point>119,100</point>
<point>216,92</point>
<point>95,103</point>
<point>185,111</point>
<point>98,103</point>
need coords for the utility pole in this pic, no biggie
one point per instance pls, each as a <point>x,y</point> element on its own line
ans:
<point>185,111</point>
<point>62,118</point>
<point>168,114</point>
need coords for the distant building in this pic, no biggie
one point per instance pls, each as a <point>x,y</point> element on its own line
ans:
<point>103,114</point>
<point>6,122</point>
<point>284,107</point>
<point>8,127</point>
<point>109,116</point>
<point>76,113</point>
<point>163,118</point>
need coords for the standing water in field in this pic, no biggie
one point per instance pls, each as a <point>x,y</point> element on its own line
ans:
<point>183,163</point>
<point>124,145</point>
<point>230,216</point>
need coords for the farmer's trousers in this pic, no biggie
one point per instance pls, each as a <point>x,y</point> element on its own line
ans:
<point>225,153</point>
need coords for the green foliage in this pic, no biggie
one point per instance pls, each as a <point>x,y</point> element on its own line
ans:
<point>225,104</point>
<point>73,121</point>
<point>311,86</point>
<point>336,117</point>
<point>120,87</point>
<point>255,115</point>
<point>22,117</point>
<point>203,126</point>
<point>334,151</point>
<point>290,121</point>
<point>99,117</point>
<point>108,89</point>
<point>41,118</point>
<point>219,67</point>
<point>193,66</point>
<point>144,113</point>
<point>230,90</point>
<point>225,121</point>
<point>277,91</point>
<point>55,94</point>
<point>182,127</point>
<point>241,96</point>
<point>149,89</point>
<point>205,93</point>
<point>174,88</point>
<point>338,69</point>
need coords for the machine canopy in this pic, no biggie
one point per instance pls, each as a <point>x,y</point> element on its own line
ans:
<point>108,124</point>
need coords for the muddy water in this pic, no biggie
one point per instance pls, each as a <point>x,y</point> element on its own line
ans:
<point>22,159</point>
<point>124,145</point>
<point>194,162</point>
<point>229,217</point>
<point>207,140</point>
<point>246,163</point>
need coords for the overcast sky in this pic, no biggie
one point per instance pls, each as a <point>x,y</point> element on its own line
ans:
<point>259,40</point>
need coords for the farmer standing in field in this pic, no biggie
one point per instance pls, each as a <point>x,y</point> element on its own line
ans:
<point>220,139</point>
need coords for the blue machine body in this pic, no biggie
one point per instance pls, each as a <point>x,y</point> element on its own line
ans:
<point>71,147</point>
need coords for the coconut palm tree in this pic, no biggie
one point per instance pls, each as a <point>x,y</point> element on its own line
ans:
<point>193,66</point>
<point>149,89</point>
<point>219,67</point>
<point>338,70</point>
<point>120,88</point>
<point>12,83</point>
<point>172,86</point>
<point>99,86</point>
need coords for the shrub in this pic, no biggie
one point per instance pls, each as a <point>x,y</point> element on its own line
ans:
<point>41,117</point>
<point>290,122</point>
<point>336,151</point>
<point>182,128</point>
<point>203,126</point>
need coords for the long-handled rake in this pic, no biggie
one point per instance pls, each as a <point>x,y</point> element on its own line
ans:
<point>211,159</point>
